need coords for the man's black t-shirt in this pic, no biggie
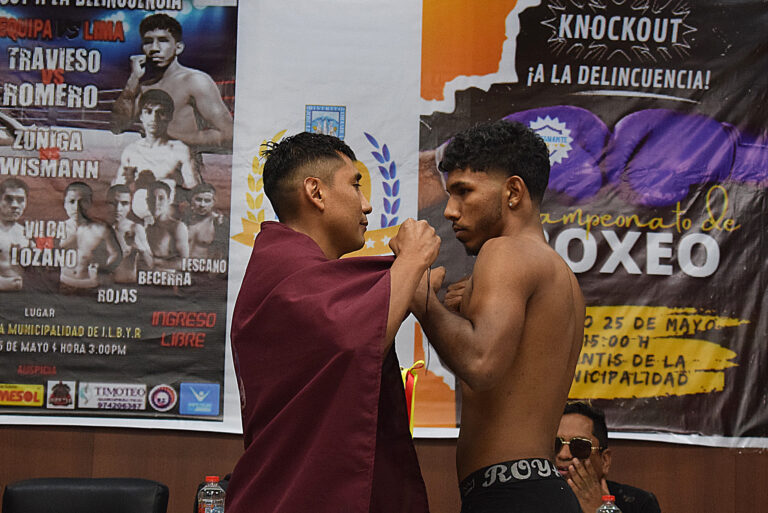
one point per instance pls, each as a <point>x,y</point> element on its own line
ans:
<point>633,500</point>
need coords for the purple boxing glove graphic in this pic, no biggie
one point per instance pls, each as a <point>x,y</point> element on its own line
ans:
<point>750,163</point>
<point>660,154</point>
<point>576,139</point>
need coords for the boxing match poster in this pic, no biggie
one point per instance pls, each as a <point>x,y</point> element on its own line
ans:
<point>116,123</point>
<point>655,117</point>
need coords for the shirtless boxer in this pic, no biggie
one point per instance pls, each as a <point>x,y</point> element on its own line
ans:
<point>131,236</point>
<point>13,201</point>
<point>208,229</point>
<point>97,248</point>
<point>166,159</point>
<point>167,236</point>
<point>516,336</point>
<point>201,119</point>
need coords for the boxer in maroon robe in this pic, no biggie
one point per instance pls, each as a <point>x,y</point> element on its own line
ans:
<point>324,418</point>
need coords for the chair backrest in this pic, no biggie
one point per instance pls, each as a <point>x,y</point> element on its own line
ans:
<point>85,495</point>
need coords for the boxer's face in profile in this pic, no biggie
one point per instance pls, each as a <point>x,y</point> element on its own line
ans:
<point>474,206</point>
<point>347,208</point>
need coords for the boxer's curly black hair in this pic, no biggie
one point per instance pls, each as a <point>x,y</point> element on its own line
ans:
<point>505,146</point>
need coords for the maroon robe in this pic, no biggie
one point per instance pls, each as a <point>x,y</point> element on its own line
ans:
<point>324,418</point>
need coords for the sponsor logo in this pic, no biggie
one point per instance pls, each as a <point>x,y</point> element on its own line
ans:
<point>556,136</point>
<point>61,395</point>
<point>162,397</point>
<point>112,396</point>
<point>326,119</point>
<point>21,395</point>
<point>199,399</point>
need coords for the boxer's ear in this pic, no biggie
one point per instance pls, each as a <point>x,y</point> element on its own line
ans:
<point>313,192</point>
<point>179,47</point>
<point>514,191</point>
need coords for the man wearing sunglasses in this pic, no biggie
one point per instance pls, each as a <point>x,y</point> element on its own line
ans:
<point>583,458</point>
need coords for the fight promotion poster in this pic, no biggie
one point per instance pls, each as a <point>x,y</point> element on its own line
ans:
<point>655,117</point>
<point>115,171</point>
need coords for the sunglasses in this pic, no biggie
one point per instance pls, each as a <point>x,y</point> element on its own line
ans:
<point>580,448</point>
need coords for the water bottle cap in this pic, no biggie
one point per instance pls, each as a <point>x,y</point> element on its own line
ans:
<point>609,498</point>
<point>211,479</point>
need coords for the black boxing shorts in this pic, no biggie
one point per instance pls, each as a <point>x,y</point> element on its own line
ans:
<point>521,486</point>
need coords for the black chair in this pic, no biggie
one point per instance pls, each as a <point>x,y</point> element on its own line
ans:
<point>85,495</point>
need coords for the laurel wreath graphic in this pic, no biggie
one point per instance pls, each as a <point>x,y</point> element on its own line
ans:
<point>254,197</point>
<point>390,183</point>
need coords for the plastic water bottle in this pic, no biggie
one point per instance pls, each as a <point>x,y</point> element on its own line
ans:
<point>210,498</point>
<point>608,505</point>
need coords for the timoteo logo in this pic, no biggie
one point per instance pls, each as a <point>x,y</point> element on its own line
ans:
<point>21,395</point>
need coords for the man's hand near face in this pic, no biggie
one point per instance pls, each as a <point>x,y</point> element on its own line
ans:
<point>138,67</point>
<point>585,483</point>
